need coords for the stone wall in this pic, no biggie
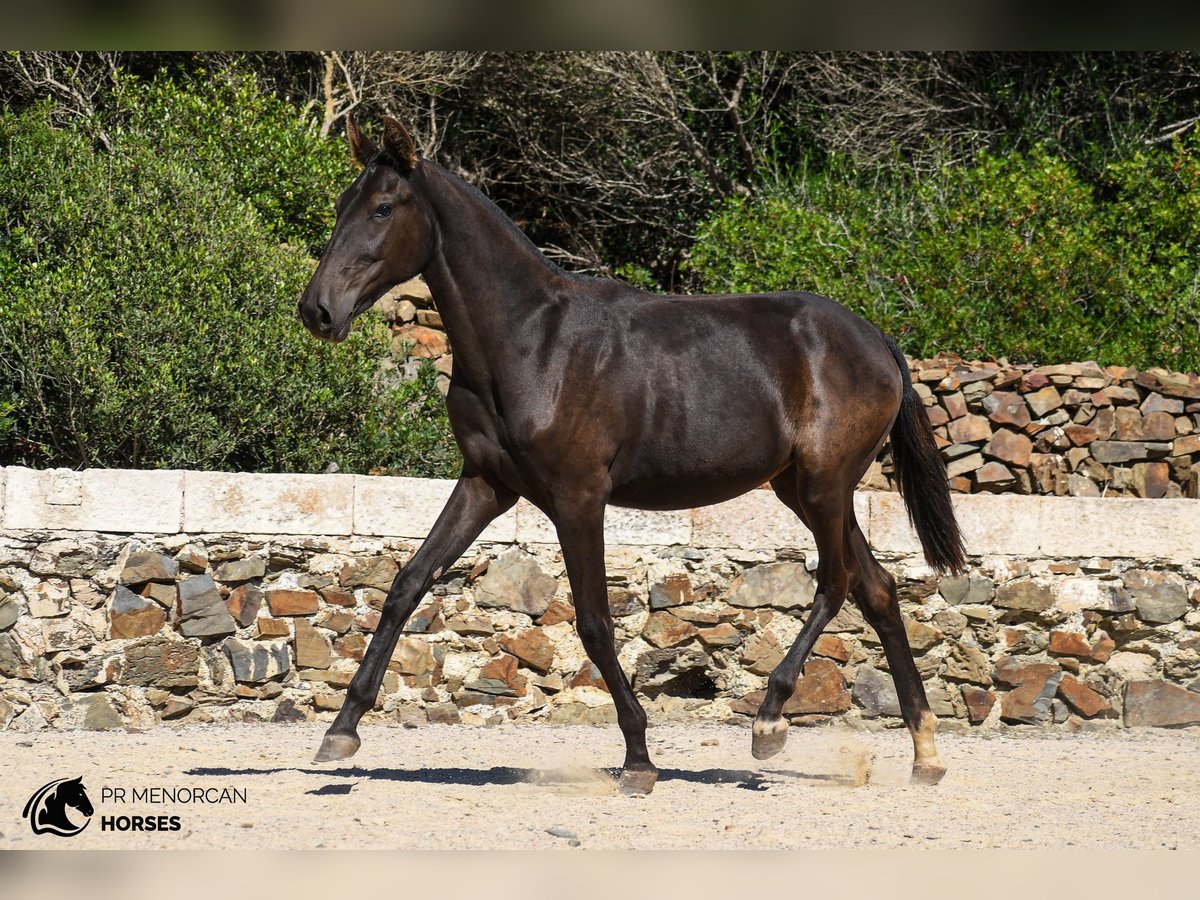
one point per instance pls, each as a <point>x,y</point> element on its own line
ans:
<point>130,598</point>
<point>1076,429</point>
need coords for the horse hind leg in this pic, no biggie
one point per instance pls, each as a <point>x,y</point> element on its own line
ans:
<point>875,595</point>
<point>825,515</point>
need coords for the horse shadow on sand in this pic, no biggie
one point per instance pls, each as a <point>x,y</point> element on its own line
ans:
<point>744,779</point>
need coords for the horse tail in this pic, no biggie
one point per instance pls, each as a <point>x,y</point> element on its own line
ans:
<point>921,474</point>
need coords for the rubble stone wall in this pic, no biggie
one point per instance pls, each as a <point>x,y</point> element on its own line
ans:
<point>133,598</point>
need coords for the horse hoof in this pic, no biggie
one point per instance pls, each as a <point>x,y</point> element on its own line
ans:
<point>769,738</point>
<point>337,746</point>
<point>637,782</point>
<point>927,774</point>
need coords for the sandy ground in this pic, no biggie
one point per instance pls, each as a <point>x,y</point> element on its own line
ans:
<point>538,786</point>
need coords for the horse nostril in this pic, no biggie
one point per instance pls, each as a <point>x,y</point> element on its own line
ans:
<point>326,319</point>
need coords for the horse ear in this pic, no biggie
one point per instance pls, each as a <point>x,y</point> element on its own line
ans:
<point>399,144</point>
<point>362,148</point>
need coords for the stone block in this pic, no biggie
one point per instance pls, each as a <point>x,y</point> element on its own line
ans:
<point>408,507</point>
<point>500,677</point>
<point>313,650</point>
<point>48,599</point>
<point>1109,452</point>
<point>1160,597</point>
<point>758,520</point>
<point>968,663</point>
<point>1160,703</point>
<point>979,703</point>
<point>994,476</point>
<point>413,656</point>
<point>112,500</point>
<point>1007,408</point>
<point>725,635</point>
<point>969,589</point>
<point>376,572</point>
<point>632,527</point>
<point>243,569</point>
<point>283,602</point>
<point>671,590</point>
<point>244,603</point>
<point>202,611</point>
<point>875,692</point>
<point>1044,401</point>
<point>1081,698</point>
<point>65,557</point>
<point>1010,447</point>
<point>990,524</point>
<point>969,429</point>
<point>162,663</point>
<point>1034,686</point>
<point>515,581</point>
<point>665,630</point>
<point>147,565</point>
<point>257,661</point>
<point>822,690</point>
<point>762,653</point>
<point>131,616</point>
<point>963,465</point>
<point>1104,595</point>
<point>268,504</point>
<point>1151,480</point>
<point>1117,527</point>
<point>784,586</point>
<point>531,647</point>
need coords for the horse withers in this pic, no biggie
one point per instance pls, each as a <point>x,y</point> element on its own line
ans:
<point>577,392</point>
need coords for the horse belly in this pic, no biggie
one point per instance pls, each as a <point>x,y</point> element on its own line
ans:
<point>661,473</point>
<point>684,494</point>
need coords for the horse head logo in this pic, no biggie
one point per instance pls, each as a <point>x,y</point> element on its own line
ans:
<point>47,808</point>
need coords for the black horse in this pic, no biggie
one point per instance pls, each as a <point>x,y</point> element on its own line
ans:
<point>47,808</point>
<point>578,392</point>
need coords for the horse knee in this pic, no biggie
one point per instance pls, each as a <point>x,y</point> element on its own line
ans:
<point>593,632</point>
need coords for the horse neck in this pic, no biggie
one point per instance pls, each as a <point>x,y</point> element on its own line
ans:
<point>485,276</point>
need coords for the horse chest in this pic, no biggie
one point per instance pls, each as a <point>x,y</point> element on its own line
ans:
<point>482,436</point>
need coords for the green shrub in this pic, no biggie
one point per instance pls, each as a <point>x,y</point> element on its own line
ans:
<point>230,132</point>
<point>1015,256</point>
<point>147,313</point>
<point>409,432</point>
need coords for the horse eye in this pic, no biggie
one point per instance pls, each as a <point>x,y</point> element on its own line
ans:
<point>385,210</point>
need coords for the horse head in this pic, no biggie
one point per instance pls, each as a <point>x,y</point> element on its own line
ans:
<point>384,233</point>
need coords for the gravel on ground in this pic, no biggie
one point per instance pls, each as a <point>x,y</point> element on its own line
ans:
<point>539,786</point>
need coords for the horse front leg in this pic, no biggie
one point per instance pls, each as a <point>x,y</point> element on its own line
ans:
<point>581,534</point>
<point>473,504</point>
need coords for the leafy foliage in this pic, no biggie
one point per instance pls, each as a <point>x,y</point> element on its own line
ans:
<point>1013,256</point>
<point>147,317</point>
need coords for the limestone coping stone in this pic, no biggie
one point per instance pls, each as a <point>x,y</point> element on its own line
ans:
<point>116,500</point>
<point>633,527</point>
<point>266,504</point>
<point>408,507</point>
<point>993,524</point>
<point>171,502</point>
